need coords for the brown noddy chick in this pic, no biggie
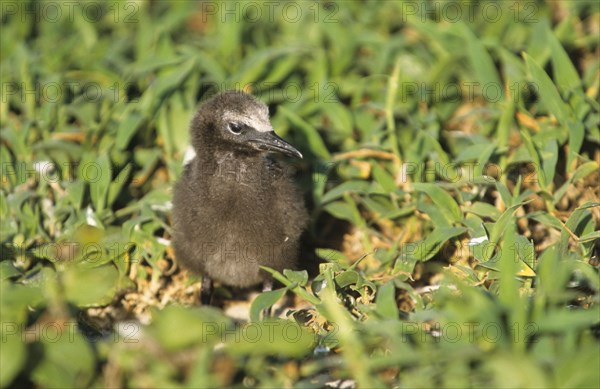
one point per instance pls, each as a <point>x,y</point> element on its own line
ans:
<point>235,208</point>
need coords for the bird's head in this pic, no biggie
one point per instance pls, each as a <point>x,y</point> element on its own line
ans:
<point>236,121</point>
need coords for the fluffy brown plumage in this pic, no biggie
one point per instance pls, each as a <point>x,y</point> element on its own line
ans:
<point>236,208</point>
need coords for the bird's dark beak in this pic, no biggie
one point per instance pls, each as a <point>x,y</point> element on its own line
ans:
<point>269,141</point>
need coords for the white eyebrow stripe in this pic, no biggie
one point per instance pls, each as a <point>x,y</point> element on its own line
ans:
<point>258,124</point>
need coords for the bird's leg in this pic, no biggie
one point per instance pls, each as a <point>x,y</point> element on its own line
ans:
<point>267,287</point>
<point>206,290</point>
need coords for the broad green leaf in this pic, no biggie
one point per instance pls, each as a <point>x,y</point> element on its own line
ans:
<point>498,229</point>
<point>482,64</point>
<point>87,287</point>
<point>99,175</point>
<point>580,222</point>
<point>264,301</point>
<point>439,155</point>
<point>349,277</point>
<point>565,74</point>
<point>445,203</point>
<point>549,155</point>
<point>345,187</point>
<point>332,255</point>
<point>586,353</point>
<point>300,291</point>
<point>589,237</point>
<point>8,270</point>
<point>568,320</point>
<point>472,152</point>
<point>299,277</point>
<point>535,158</point>
<point>68,360</point>
<point>425,249</point>
<point>74,191</point>
<point>484,210</point>
<point>547,219</point>
<point>547,91</point>
<point>130,121</point>
<point>400,212</point>
<point>17,299</point>
<point>377,207</point>
<point>251,68</point>
<point>282,67</point>
<point>168,326</point>
<point>342,122</point>
<point>505,194</point>
<point>576,137</point>
<point>118,183</point>
<point>170,80</point>
<point>208,64</point>
<point>12,353</point>
<point>383,178</point>
<point>581,172</point>
<point>506,123</point>
<point>343,210</point>
<point>274,337</point>
<point>385,301</point>
<point>521,269</point>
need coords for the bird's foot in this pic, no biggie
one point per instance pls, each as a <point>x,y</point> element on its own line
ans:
<point>206,291</point>
<point>267,287</point>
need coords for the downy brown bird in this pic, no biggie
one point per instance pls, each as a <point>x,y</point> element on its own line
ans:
<point>235,207</point>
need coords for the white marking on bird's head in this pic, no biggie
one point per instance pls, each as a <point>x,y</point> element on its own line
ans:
<point>259,121</point>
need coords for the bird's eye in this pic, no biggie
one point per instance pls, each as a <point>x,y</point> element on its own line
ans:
<point>235,128</point>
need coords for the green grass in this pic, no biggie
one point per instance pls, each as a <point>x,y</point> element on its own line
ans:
<point>451,167</point>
